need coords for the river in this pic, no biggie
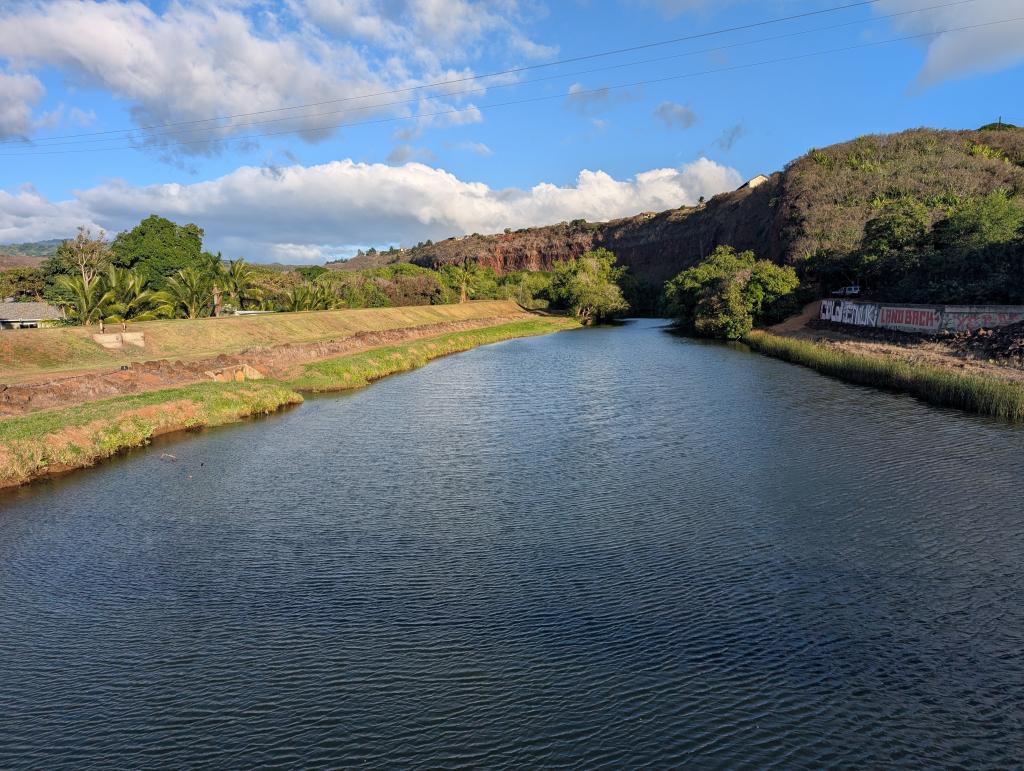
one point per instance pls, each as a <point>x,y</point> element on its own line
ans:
<point>610,547</point>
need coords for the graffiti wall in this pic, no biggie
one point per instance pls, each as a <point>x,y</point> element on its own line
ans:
<point>925,319</point>
<point>910,319</point>
<point>850,312</point>
<point>960,318</point>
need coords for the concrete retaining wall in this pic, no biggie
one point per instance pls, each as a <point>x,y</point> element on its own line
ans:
<point>926,319</point>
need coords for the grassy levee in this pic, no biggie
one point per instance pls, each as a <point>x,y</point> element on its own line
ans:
<point>360,369</point>
<point>34,445</point>
<point>983,395</point>
<point>75,437</point>
<point>32,352</point>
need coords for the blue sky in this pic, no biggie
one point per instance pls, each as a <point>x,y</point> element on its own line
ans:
<point>586,144</point>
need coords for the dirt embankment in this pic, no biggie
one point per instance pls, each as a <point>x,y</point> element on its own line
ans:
<point>995,353</point>
<point>278,361</point>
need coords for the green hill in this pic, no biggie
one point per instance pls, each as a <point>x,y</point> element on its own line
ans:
<point>32,248</point>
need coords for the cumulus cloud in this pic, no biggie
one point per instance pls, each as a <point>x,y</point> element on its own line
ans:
<point>28,216</point>
<point>197,59</point>
<point>311,212</point>
<point>675,115</point>
<point>424,27</point>
<point>967,52</point>
<point>18,95</point>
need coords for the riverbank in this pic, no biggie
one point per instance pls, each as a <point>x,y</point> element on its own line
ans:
<point>982,393</point>
<point>34,354</point>
<point>52,441</point>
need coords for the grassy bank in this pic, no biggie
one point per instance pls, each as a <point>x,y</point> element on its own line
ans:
<point>363,368</point>
<point>75,437</point>
<point>983,395</point>
<point>57,440</point>
<point>32,352</point>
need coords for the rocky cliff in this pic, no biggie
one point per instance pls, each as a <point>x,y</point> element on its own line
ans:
<point>819,203</point>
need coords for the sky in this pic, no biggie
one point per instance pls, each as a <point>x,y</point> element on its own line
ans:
<point>302,130</point>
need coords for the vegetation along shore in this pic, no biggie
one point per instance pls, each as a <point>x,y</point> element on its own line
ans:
<point>40,443</point>
<point>143,323</point>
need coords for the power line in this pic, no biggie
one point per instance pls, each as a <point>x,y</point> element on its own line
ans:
<point>531,100</point>
<point>512,71</point>
<point>49,141</point>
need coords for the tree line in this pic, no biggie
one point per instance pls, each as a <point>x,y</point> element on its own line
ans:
<point>159,269</point>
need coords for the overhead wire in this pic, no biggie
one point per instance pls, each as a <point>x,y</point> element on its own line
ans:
<point>531,100</point>
<point>51,141</point>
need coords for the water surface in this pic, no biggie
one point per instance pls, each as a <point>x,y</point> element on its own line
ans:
<point>609,547</point>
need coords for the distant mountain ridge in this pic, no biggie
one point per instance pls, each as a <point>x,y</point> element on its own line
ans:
<point>32,248</point>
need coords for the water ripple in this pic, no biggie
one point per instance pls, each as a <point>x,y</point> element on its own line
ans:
<point>603,548</point>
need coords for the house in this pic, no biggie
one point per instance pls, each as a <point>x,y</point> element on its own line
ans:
<point>28,315</point>
<point>750,184</point>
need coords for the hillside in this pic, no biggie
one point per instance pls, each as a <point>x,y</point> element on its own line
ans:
<point>819,203</point>
<point>32,248</point>
<point>9,261</point>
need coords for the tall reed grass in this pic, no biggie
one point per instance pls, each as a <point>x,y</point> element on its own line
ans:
<point>976,393</point>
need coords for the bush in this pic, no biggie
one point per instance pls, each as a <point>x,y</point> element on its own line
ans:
<point>727,293</point>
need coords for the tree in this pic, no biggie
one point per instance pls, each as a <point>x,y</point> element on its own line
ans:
<point>85,255</point>
<point>191,293</point>
<point>131,300</point>
<point>314,296</point>
<point>311,272</point>
<point>726,293</point>
<point>159,248</point>
<point>22,284</point>
<point>238,281</point>
<point>588,285</point>
<point>891,247</point>
<point>84,301</point>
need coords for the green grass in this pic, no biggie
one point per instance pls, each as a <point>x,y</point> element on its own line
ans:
<point>975,393</point>
<point>85,434</point>
<point>28,353</point>
<point>363,368</point>
<point>82,435</point>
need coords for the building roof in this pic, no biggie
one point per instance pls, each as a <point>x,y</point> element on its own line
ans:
<point>760,179</point>
<point>29,312</point>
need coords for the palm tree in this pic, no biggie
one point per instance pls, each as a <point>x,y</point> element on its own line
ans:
<point>131,300</point>
<point>86,300</point>
<point>465,276</point>
<point>310,297</point>
<point>236,280</point>
<point>191,293</point>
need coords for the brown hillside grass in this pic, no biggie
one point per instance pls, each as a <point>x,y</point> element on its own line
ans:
<point>829,195</point>
<point>30,352</point>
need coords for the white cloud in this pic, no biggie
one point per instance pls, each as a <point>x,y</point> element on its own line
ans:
<point>190,63</point>
<point>966,52</point>
<point>308,213</point>
<point>675,115</point>
<point>422,28</point>
<point>198,59</point>
<point>28,216</point>
<point>477,148</point>
<point>18,95</point>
